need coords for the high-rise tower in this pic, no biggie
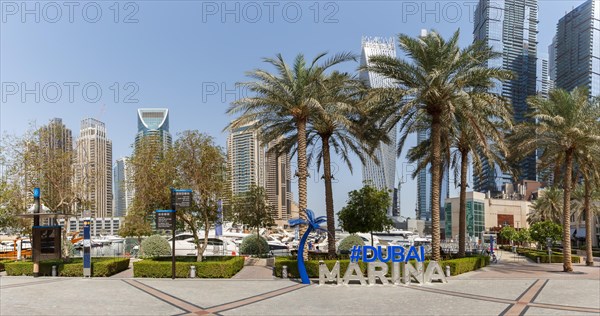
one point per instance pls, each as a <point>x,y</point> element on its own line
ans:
<point>94,167</point>
<point>154,122</point>
<point>250,163</point>
<point>245,156</point>
<point>578,48</point>
<point>122,194</point>
<point>380,175</point>
<point>510,28</point>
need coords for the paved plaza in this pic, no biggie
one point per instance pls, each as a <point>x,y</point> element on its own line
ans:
<point>513,287</point>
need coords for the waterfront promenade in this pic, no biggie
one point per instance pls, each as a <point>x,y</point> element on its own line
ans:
<point>513,287</point>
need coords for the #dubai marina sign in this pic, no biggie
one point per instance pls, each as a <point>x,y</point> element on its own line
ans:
<point>407,264</point>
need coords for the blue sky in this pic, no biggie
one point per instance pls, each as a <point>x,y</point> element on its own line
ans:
<point>188,55</point>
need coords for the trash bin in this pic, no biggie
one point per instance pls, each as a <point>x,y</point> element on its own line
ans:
<point>514,249</point>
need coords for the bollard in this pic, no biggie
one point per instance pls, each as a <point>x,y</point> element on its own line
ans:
<point>538,259</point>
<point>192,271</point>
<point>284,272</point>
<point>54,272</point>
<point>447,271</point>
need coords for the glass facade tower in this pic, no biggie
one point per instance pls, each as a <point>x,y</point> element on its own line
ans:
<point>510,28</point>
<point>380,175</point>
<point>154,122</point>
<point>578,48</point>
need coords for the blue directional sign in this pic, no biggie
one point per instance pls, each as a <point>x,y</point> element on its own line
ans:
<point>87,245</point>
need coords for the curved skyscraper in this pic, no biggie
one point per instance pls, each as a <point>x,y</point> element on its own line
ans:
<point>154,122</point>
<point>380,175</point>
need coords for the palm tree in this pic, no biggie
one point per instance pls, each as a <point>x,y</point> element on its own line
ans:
<point>338,125</point>
<point>548,206</point>
<point>342,123</point>
<point>565,127</point>
<point>585,204</point>
<point>433,83</point>
<point>476,130</point>
<point>314,224</point>
<point>283,102</point>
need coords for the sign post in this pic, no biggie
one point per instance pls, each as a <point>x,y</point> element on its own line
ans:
<point>179,198</point>
<point>36,223</point>
<point>87,246</point>
<point>549,245</point>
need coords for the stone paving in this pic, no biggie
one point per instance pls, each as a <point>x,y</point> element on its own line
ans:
<point>512,287</point>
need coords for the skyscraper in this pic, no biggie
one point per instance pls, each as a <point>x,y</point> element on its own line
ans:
<point>424,186</point>
<point>154,122</point>
<point>510,28</point>
<point>93,167</point>
<point>278,185</point>
<point>544,81</point>
<point>250,163</point>
<point>380,175</point>
<point>552,62</point>
<point>246,159</point>
<point>122,194</point>
<point>56,144</point>
<point>578,48</point>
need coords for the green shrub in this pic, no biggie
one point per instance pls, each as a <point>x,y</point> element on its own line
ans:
<point>220,268</point>
<point>457,266</point>
<point>254,245</point>
<point>2,262</point>
<point>101,267</point>
<point>155,246</point>
<point>347,243</point>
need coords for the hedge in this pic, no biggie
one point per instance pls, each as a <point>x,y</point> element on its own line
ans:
<point>101,267</point>
<point>219,268</point>
<point>2,262</point>
<point>457,266</point>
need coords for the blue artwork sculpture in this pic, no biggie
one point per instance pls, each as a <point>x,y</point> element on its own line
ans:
<point>314,224</point>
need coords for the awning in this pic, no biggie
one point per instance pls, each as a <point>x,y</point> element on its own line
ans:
<point>578,232</point>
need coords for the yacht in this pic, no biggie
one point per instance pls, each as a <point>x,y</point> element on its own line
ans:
<point>185,246</point>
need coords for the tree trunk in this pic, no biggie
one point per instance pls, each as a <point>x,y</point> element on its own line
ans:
<point>556,173</point>
<point>567,266</point>
<point>328,197</point>
<point>462,214</point>
<point>435,186</point>
<point>589,261</point>
<point>302,175</point>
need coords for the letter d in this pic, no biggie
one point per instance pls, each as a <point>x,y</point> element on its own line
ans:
<point>365,251</point>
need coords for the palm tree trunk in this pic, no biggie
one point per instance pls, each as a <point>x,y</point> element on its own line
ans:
<point>302,175</point>
<point>435,186</point>
<point>556,173</point>
<point>462,215</point>
<point>589,261</point>
<point>328,197</point>
<point>567,266</point>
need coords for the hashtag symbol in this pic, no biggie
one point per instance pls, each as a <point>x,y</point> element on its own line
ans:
<point>355,253</point>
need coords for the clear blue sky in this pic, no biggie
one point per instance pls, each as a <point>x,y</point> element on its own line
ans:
<point>188,55</point>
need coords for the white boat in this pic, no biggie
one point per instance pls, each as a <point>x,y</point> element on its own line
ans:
<point>113,239</point>
<point>185,246</point>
